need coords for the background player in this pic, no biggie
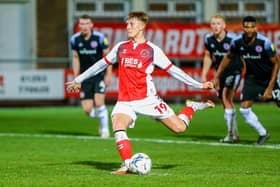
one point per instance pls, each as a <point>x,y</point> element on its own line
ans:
<point>262,66</point>
<point>137,58</point>
<point>89,46</point>
<point>217,44</point>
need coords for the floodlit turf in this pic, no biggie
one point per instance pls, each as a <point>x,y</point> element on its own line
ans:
<point>61,147</point>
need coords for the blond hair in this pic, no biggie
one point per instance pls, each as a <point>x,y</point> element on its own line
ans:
<point>218,16</point>
<point>142,16</point>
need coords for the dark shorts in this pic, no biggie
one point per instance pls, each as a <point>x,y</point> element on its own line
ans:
<point>92,86</point>
<point>253,89</point>
<point>231,81</point>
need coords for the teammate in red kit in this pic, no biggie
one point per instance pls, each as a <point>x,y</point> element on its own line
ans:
<point>137,59</point>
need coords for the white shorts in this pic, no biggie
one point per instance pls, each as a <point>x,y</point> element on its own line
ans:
<point>151,106</point>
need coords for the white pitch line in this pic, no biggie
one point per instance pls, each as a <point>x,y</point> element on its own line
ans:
<point>163,141</point>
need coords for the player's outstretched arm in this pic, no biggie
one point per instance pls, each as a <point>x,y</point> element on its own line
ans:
<point>75,85</point>
<point>96,68</point>
<point>184,77</point>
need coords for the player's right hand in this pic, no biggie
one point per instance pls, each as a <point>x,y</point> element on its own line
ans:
<point>72,86</point>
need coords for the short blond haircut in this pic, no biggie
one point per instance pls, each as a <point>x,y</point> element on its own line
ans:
<point>218,16</point>
<point>142,16</point>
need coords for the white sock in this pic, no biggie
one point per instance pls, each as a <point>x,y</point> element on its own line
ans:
<point>229,116</point>
<point>102,114</point>
<point>92,113</point>
<point>234,124</point>
<point>120,135</point>
<point>252,120</point>
<point>185,119</point>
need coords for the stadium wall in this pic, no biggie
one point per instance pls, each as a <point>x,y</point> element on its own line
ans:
<point>52,33</point>
<point>52,19</point>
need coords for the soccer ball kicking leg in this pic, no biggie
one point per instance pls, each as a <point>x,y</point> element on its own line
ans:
<point>200,105</point>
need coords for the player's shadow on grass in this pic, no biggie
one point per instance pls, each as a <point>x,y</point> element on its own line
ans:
<point>109,166</point>
<point>212,138</point>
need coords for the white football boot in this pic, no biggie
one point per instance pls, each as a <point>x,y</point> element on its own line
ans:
<point>124,169</point>
<point>200,105</point>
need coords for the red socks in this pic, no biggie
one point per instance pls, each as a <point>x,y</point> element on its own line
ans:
<point>187,111</point>
<point>125,149</point>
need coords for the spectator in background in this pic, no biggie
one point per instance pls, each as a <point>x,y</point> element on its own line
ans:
<point>217,44</point>
<point>89,46</point>
<point>262,66</point>
<point>136,60</point>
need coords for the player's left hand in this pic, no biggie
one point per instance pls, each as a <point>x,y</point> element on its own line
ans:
<point>72,86</point>
<point>208,85</point>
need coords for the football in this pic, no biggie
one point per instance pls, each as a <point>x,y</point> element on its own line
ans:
<point>140,164</point>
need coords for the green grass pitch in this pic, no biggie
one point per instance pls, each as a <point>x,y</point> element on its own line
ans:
<point>60,147</point>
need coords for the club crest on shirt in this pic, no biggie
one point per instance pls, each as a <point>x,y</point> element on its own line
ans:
<point>226,46</point>
<point>93,44</point>
<point>259,48</point>
<point>144,53</point>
